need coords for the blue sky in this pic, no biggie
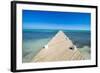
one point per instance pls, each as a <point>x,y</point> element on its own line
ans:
<point>32,19</point>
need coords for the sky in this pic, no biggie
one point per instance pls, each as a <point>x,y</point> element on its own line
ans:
<point>32,19</point>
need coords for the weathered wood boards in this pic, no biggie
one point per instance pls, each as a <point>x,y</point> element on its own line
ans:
<point>60,48</point>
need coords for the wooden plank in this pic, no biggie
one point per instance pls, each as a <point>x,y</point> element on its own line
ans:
<point>60,48</point>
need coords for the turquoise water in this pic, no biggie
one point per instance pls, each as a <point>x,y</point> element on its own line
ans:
<point>34,40</point>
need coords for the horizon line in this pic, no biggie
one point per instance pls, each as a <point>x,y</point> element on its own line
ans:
<point>60,29</point>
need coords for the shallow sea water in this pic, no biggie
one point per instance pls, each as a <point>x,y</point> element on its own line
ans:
<point>34,41</point>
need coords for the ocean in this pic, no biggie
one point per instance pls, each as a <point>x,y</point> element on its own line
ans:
<point>35,39</point>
